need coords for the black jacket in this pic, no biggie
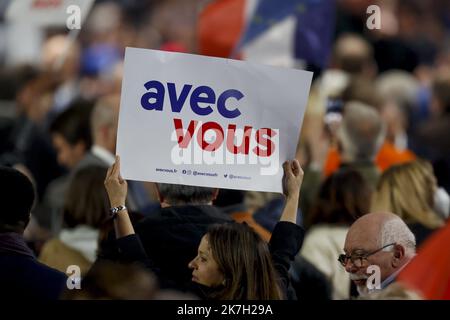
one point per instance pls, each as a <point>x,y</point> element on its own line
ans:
<point>286,241</point>
<point>171,237</point>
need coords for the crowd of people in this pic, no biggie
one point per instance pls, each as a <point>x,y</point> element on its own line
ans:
<point>369,186</point>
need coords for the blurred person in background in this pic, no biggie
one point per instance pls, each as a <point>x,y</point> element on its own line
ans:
<point>409,191</point>
<point>107,31</point>
<point>431,137</point>
<point>27,142</point>
<point>21,275</point>
<point>71,137</point>
<point>393,98</point>
<point>399,92</point>
<point>103,123</point>
<point>109,26</point>
<point>115,281</point>
<point>354,55</point>
<point>71,134</point>
<point>232,202</point>
<point>359,137</point>
<point>342,199</point>
<point>85,212</point>
<point>60,56</point>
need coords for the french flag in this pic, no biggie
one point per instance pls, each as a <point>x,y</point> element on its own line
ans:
<point>290,33</point>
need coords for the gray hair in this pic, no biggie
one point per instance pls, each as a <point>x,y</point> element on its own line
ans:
<point>105,113</point>
<point>399,86</point>
<point>362,131</point>
<point>176,194</point>
<point>396,231</point>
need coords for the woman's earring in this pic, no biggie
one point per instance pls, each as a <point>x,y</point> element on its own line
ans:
<point>224,282</point>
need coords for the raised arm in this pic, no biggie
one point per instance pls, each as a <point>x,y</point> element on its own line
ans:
<point>292,181</point>
<point>287,236</point>
<point>117,188</point>
<point>128,241</point>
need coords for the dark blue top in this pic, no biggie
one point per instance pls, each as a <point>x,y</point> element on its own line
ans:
<point>23,277</point>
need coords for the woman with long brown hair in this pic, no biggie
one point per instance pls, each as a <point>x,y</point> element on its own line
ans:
<point>226,255</point>
<point>233,262</point>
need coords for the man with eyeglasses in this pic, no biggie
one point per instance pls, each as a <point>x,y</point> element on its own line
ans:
<point>382,240</point>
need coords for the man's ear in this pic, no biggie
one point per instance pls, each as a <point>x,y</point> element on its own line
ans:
<point>398,256</point>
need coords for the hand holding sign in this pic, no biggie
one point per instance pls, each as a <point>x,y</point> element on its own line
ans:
<point>292,182</point>
<point>116,187</point>
<point>292,178</point>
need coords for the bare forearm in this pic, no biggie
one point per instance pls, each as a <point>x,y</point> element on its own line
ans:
<point>116,187</point>
<point>290,209</point>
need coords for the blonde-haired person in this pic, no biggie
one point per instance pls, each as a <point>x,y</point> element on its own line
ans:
<point>408,190</point>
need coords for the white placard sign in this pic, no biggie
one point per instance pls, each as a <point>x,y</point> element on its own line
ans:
<point>212,122</point>
<point>46,13</point>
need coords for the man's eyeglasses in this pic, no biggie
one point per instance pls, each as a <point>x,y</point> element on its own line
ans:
<point>358,259</point>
